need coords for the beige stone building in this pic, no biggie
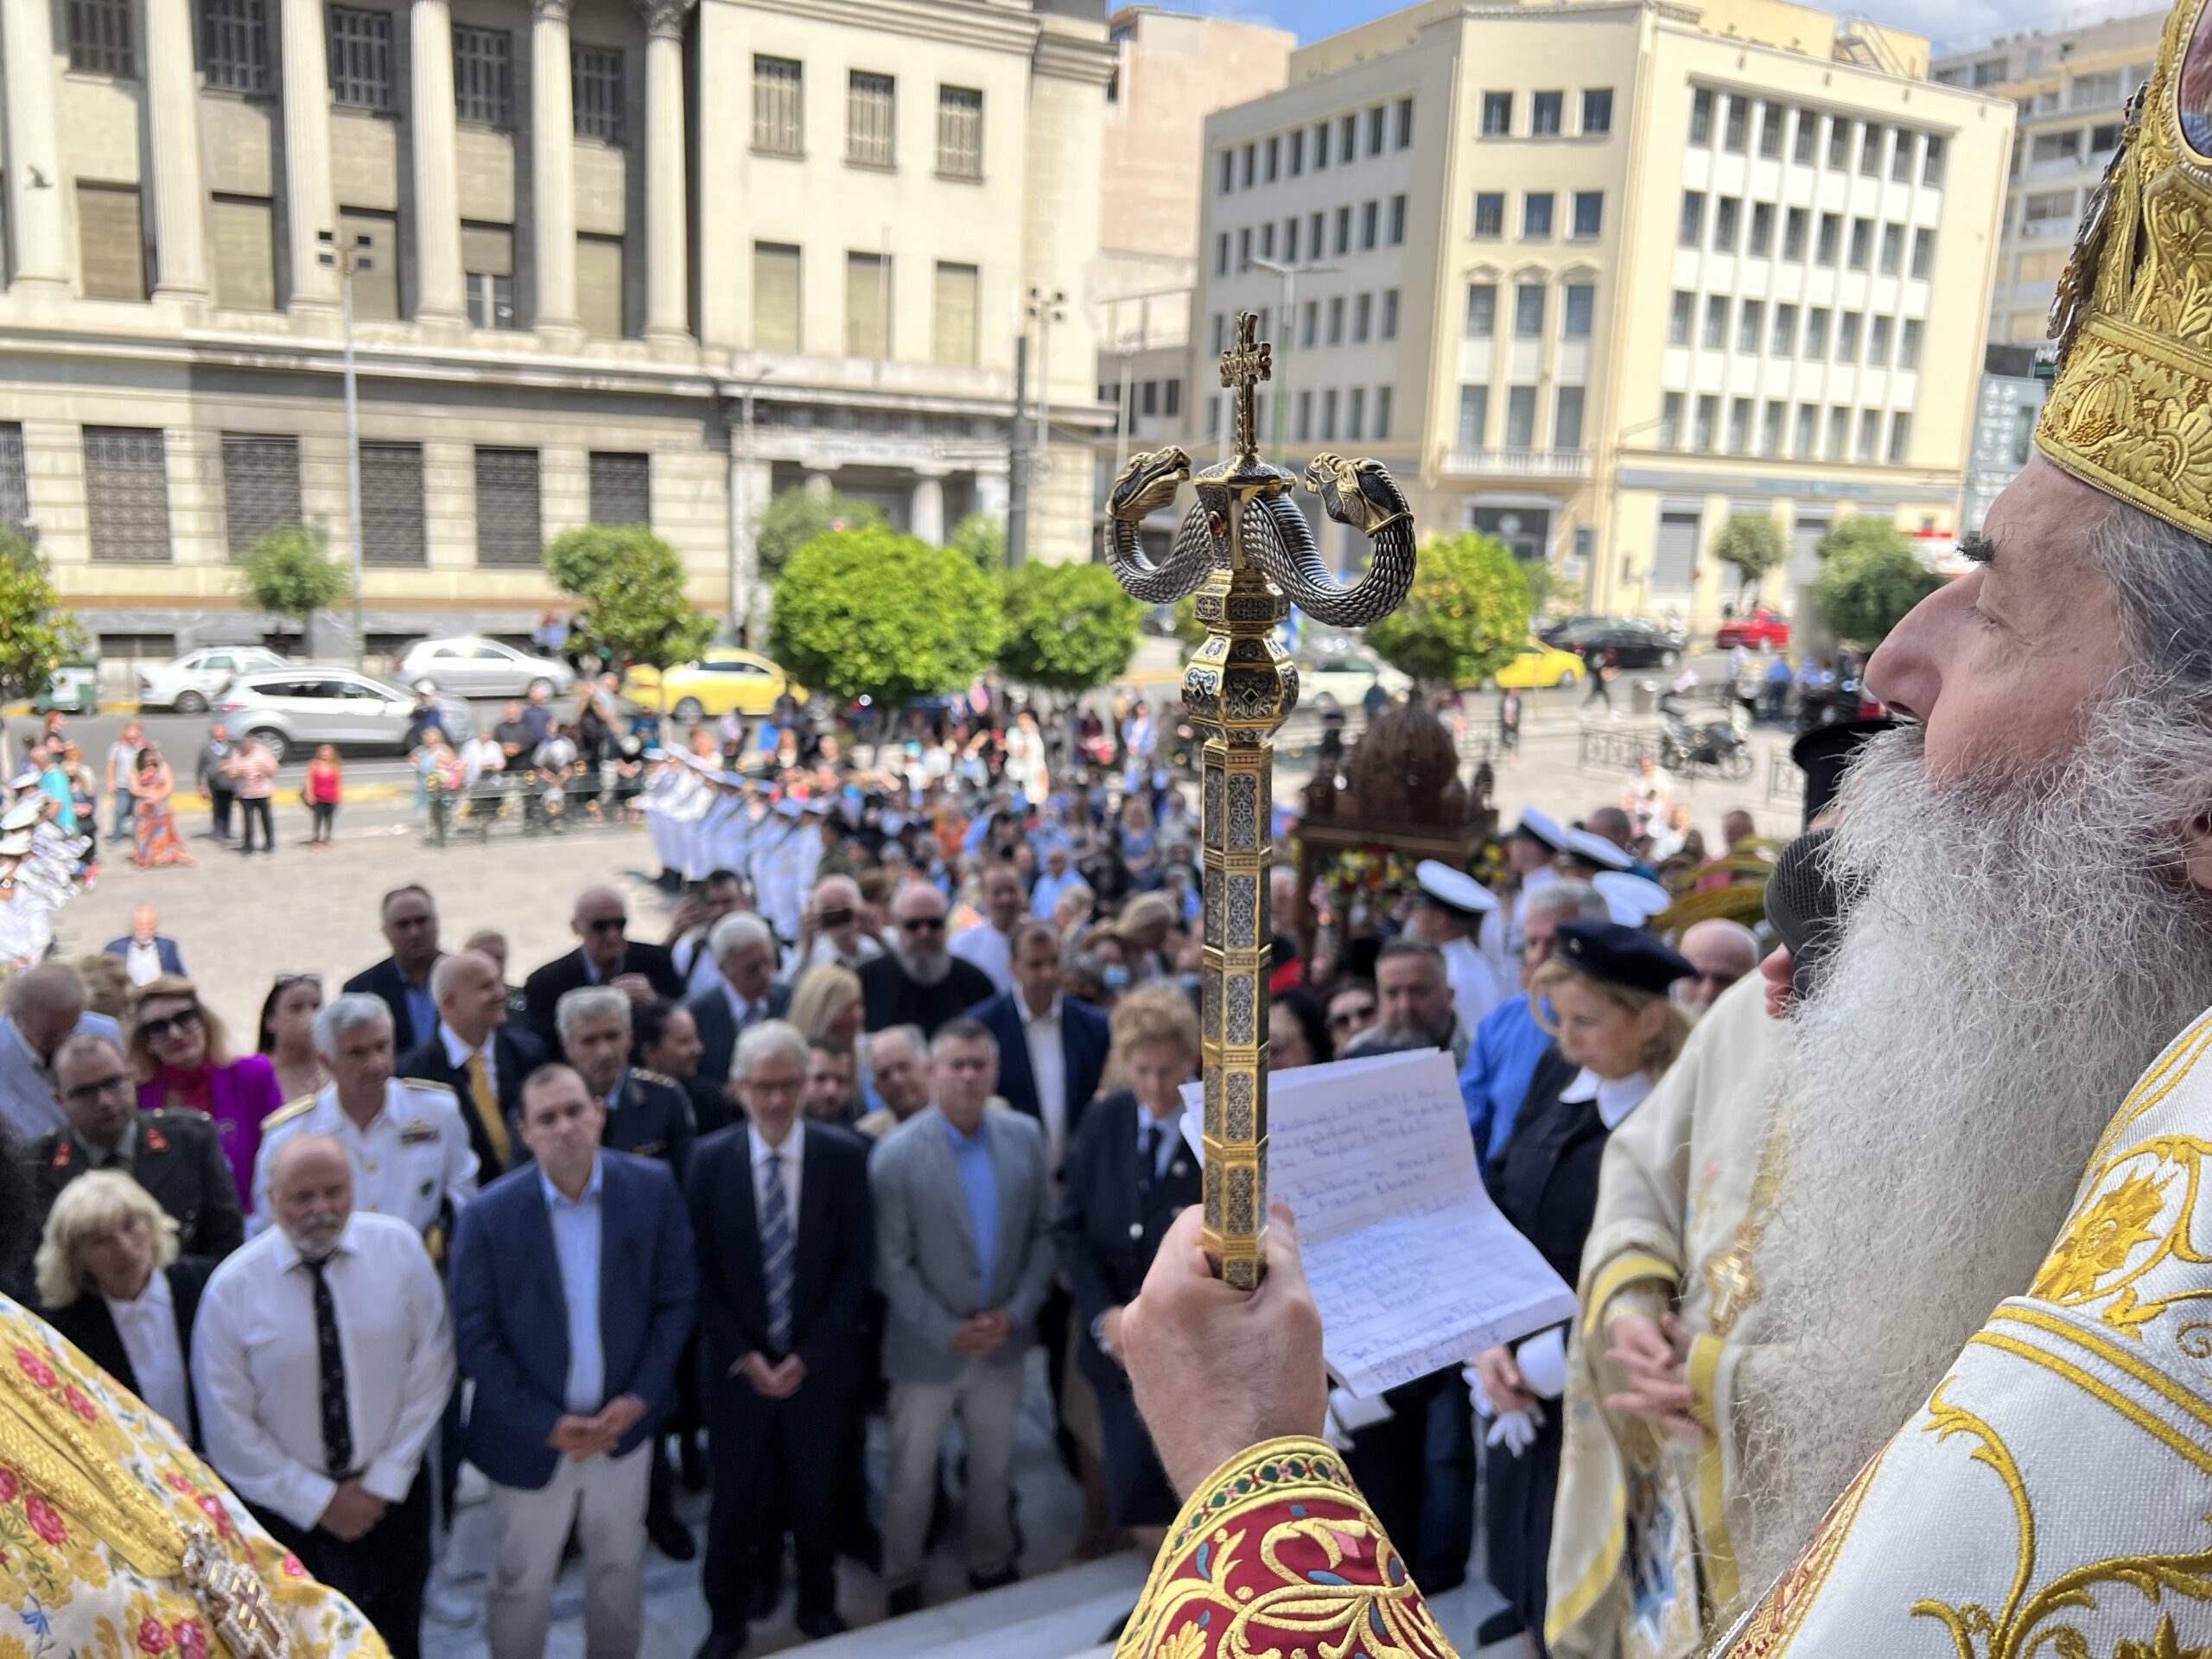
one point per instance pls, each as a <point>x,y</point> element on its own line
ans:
<point>615,263</point>
<point>2069,86</point>
<point>1609,272</point>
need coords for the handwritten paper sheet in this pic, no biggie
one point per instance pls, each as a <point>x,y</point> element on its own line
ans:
<point>1411,1263</point>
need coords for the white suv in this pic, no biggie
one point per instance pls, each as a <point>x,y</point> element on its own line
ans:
<point>293,709</point>
<point>189,683</point>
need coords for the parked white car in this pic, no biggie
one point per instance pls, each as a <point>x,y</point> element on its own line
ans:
<point>295,707</point>
<point>472,666</point>
<point>189,683</point>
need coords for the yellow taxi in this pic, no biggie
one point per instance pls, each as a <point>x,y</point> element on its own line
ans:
<point>724,679</point>
<point>1540,665</point>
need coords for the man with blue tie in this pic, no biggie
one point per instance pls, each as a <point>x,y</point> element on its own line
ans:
<point>786,1242</point>
<point>573,1283</point>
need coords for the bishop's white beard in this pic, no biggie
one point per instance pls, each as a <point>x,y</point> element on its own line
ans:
<point>2022,952</point>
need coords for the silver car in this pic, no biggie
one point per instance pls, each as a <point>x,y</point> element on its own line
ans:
<point>188,683</point>
<point>472,666</point>
<point>293,709</point>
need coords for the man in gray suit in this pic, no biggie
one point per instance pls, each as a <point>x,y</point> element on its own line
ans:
<point>45,1008</point>
<point>963,1258</point>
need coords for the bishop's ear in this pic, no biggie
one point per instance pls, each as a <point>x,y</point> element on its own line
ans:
<point>2196,850</point>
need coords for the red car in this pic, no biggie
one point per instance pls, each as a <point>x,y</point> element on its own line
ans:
<point>1761,631</point>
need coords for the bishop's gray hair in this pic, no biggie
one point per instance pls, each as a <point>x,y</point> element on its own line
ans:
<point>2162,580</point>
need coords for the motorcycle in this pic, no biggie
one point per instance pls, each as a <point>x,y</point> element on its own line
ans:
<point>1718,744</point>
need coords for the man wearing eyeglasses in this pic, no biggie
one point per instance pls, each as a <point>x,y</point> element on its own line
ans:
<point>45,1007</point>
<point>604,955</point>
<point>919,981</point>
<point>177,1156</point>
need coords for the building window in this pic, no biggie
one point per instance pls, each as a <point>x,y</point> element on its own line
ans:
<point>1830,246</point>
<point>2046,147</point>
<point>1363,319</point>
<point>1474,417</point>
<point>374,237</point>
<point>1376,118</point>
<point>1313,233</point>
<point>1381,413</point>
<point>1870,150</point>
<point>1245,175</point>
<point>1870,434</point>
<point>1589,214</point>
<point>1795,227</point>
<point>1989,72</point>
<point>1931,161</point>
<point>1751,325</point>
<point>1580,311</point>
<point>1679,321</point>
<point>261,486</point>
<point>1305,416</point>
<point>488,263</point>
<point>111,241</point>
<point>1597,111</point>
<point>1213,418</point>
<point>1536,216</point>
<point>1545,110</point>
<point>1389,330</point>
<point>243,233</point>
<point>1923,252</point>
<point>101,43</point>
<point>1692,224</point>
<point>1227,182</point>
<point>1401,136</point>
<point>1309,331</point>
<point>1670,421</point>
<point>1497,115</point>
<point>1172,393</point>
<point>1356,413</point>
<point>1901,158</point>
<point>960,132</point>
<point>1244,249</point>
<point>1862,243</point>
<point>1900,437</point>
<point>777,105</point>
<point>2048,213</point>
<point>1347,137</point>
<point>1701,118</point>
<point>507,522</point>
<point>15,479</point>
<point>1892,258</point>
<point>1808,429</point>
<point>621,489</point>
<point>1397,236</point>
<point>1735,133</point>
<point>392,529</point>
<point>1708,424</point>
<point>484,75</point>
<point>1816,332</point>
<point>1221,253</point>
<point>1770,424</point>
<point>1740,426</point>
<point>1520,417</point>
<point>1839,141</point>
<point>1275,158</point>
<point>1727,211</point>
<point>1337,321</point>
<point>127,494</point>
<point>1879,333</point>
<point>1290,240</point>
<point>2092,92</point>
<point>1785,330</point>
<point>1566,418</point>
<point>1344,230</point>
<point>1846,336</point>
<point>1529,311</point>
<point>1490,216</point>
<point>1908,343</point>
<point>870,119</point>
<point>1838,432</point>
<point>361,58</point>
<point>600,304</point>
<point>867,305</point>
<point>1481,310</point>
<point>1771,118</point>
<point>1716,321</point>
<point>1808,136</point>
<point>1762,242</point>
<point>953,332</point>
<point>1322,146</point>
<point>1328,416</point>
<point>234,44</point>
<point>1370,225</point>
<point>595,74</point>
<point>1298,152</point>
<point>1268,240</point>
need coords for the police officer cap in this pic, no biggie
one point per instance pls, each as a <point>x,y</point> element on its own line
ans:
<point>1595,850</point>
<point>1453,890</point>
<point>1621,956</point>
<point>1634,899</point>
<point>1542,828</point>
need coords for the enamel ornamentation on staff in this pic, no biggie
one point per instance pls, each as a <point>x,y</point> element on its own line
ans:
<point>1247,552</point>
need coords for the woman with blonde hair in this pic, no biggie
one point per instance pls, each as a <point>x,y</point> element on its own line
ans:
<point>827,1008</point>
<point>109,1279</point>
<point>1604,997</point>
<point>182,1058</point>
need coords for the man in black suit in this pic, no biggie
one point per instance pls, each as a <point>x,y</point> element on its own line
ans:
<point>177,1156</point>
<point>147,952</point>
<point>781,1211</point>
<point>743,995</point>
<point>473,1053</point>
<point>918,982</point>
<point>410,916</point>
<point>1051,1048</point>
<point>604,955</point>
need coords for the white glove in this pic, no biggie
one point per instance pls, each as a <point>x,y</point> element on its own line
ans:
<point>1516,1430</point>
<point>1543,1360</point>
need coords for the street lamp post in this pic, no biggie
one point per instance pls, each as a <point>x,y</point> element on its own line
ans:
<point>346,259</point>
<point>1045,310</point>
<point>1290,274</point>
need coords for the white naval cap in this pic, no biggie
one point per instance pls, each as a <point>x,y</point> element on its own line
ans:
<point>24,814</point>
<point>1453,889</point>
<point>16,845</point>
<point>1633,900</point>
<point>1539,825</point>
<point>1595,850</point>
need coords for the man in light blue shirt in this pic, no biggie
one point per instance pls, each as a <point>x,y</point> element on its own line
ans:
<point>1509,1043</point>
<point>575,1223</point>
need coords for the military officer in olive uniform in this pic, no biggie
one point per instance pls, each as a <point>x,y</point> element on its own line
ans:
<point>177,1156</point>
<point>407,1139</point>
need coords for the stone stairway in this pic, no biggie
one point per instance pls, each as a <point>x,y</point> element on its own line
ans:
<point>1053,1616</point>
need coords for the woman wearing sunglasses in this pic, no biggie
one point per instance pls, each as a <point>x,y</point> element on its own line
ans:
<point>181,1056</point>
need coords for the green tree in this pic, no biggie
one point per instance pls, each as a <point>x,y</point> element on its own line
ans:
<point>1866,586</point>
<point>1188,628</point>
<point>289,571</point>
<point>983,538</point>
<point>37,634</point>
<point>796,517</point>
<point>871,613</point>
<point>1752,543</point>
<point>1862,530</point>
<point>1069,627</point>
<point>1465,617</point>
<point>631,582</point>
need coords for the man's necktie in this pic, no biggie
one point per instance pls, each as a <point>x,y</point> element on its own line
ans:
<point>778,1252</point>
<point>487,1108</point>
<point>1149,1171</point>
<point>337,1421</point>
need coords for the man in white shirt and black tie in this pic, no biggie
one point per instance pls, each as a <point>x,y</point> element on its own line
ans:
<point>323,1357</point>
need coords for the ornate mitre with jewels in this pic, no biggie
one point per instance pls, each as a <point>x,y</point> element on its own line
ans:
<point>2131,412</point>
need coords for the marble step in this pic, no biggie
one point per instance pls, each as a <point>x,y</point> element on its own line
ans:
<point>1050,1617</point>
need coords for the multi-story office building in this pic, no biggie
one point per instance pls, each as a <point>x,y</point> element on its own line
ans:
<point>611,263</point>
<point>2005,426</point>
<point>1598,275</point>
<point>2069,86</point>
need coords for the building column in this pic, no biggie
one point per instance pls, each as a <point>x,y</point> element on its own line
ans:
<point>925,515</point>
<point>439,294</point>
<point>309,207</point>
<point>553,167</point>
<point>33,159</point>
<point>173,94</point>
<point>818,484</point>
<point>668,260</point>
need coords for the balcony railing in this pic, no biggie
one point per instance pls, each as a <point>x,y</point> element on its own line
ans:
<point>1517,463</point>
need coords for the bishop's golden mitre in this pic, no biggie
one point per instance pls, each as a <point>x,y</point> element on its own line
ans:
<point>2131,412</point>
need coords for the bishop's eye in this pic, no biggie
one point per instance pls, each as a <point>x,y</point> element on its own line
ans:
<point>1976,548</point>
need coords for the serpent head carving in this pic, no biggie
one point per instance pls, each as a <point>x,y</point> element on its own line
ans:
<point>1356,493</point>
<point>1149,482</point>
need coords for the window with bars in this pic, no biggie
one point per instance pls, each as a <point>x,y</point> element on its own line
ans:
<point>15,476</point>
<point>234,44</point>
<point>127,494</point>
<point>487,264</point>
<point>101,39</point>
<point>621,489</point>
<point>484,76</point>
<point>777,107</point>
<point>960,132</point>
<point>867,305</point>
<point>392,532</point>
<point>596,77</point>
<point>361,58</point>
<point>507,522</point>
<point>870,111</point>
<point>261,486</point>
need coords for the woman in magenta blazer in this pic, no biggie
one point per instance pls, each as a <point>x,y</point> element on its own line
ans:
<point>181,1056</point>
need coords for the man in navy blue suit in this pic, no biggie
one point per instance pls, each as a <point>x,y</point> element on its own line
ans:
<point>787,1254</point>
<point>573,1284</point>
<point>1051,1048</point>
